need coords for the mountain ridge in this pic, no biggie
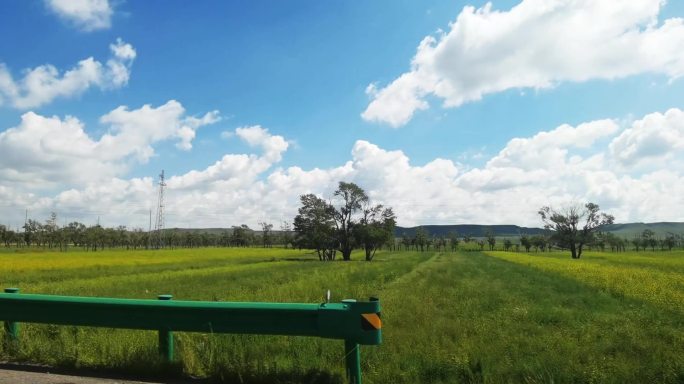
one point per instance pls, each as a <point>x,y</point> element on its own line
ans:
<point>504,230</point>
<point>500,230</point>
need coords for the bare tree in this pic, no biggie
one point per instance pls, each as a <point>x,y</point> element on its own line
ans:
<point>575,226</point>
<point>491,239</point>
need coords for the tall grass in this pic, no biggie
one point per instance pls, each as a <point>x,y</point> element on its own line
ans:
<point>447,317</point>
<point>655,278</point>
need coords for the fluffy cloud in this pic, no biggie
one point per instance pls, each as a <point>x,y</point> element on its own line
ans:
<point>133,131</point>
<point>256,136</point>
<point>235,171</point>
<point>50,151</point>
<point>551,148</point>
<point>564,40</point>
<point>595,161</point>
<point>654,139</point>
<point>87,15</point>
<point>45,83</point>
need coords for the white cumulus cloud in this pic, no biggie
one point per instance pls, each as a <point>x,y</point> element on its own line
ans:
<point>598,161</point>
<point>256,136</point>
<point>86,15</point>
<point>43,84</point>
<point>654,138</point>
<point>537,44</point>
<point>237,170</point>
<point>43,152</point>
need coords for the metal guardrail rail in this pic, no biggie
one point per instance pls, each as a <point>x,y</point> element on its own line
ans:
<point>357,323</point>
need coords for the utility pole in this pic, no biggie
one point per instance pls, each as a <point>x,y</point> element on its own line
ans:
<point>159,226</point>
<point>149,232</point>
<point>26,232</point>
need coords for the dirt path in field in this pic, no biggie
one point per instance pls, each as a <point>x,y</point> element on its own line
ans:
<point>419,269</point>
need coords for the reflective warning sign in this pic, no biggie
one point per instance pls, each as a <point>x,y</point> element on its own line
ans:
<point>371,321</point>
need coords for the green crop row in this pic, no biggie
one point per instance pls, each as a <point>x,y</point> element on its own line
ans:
<point>448,317</point>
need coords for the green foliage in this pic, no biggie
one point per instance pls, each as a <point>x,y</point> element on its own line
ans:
<point>491,240</point>
<point>266,234</point>
<point>375,229</point>
<point>314,227</point>
<point>573,227</point>
<point>539,242</point>
<point>353,199</point>
<point>453,240</point>
<point>526,242</point>
<point>421,238</point>
<point>241,236</point>
<point>326,227</point>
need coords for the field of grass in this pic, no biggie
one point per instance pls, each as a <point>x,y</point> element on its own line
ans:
<point>447,317</point>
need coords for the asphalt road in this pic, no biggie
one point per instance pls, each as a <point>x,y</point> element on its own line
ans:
<point>11,373</point>
<point>10,376</point>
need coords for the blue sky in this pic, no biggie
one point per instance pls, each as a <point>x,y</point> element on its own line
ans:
<point>301,70</point>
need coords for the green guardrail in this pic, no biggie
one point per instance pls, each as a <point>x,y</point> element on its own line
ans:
<point>357,323</point>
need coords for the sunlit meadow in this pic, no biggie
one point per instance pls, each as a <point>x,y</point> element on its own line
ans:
<point>447,317</point>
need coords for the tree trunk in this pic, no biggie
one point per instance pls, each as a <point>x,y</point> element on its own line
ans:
<point>346,254</point>
<point>573,251</point>
<point>369,253</point>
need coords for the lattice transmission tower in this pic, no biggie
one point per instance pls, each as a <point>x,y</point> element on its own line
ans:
<point>159,223</point>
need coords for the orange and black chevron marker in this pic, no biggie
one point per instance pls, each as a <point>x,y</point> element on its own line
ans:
<point>371,321</point>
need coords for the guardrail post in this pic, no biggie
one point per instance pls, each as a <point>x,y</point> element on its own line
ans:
<point>166,337</point>
<point>352,357</point>
<point>11,327</point>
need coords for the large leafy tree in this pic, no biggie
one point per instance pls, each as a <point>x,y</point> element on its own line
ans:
<point>348,223</point>
<point>314,227</point>
<point>375,228</point>
<point>241,236</point>
<point>352,199</point>
<point>575,226</point>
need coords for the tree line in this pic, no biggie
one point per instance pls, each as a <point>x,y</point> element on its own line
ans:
<point>602,241</point>
<point>340,226</point>
<point>49,235</point>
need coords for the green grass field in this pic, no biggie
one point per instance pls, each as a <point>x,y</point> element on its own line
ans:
<point>491,317</point>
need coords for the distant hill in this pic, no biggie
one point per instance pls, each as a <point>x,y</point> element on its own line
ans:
<point>474,230</point>
<point>622,230</point>
<point>632,229</point>
<point>213,231</point>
